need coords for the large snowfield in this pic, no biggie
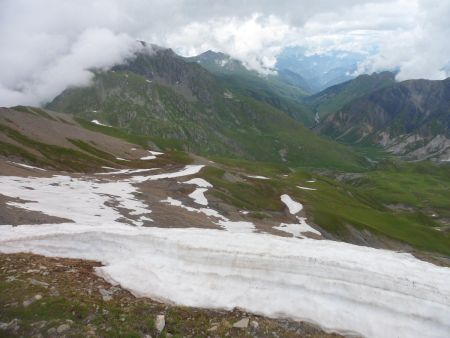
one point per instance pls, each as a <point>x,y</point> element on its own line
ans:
<point>342,287</point>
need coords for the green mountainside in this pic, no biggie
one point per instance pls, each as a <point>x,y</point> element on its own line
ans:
<point>334,98</point>
<point>283,90</point>
<point>161,94</point>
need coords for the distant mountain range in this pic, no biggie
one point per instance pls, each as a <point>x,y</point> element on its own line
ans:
<point>319,71</point>
<point>212,104</point>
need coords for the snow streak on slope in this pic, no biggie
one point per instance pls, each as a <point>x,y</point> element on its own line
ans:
<point>126,171</point>
<point>198,195</point>
<point>376,293</point>
<point>296,229</point>
<point>186,171</point>
<point>259,177</point>
<point>305,188</point>
<point>26,166</point>
<point>199,182</point>
<point>293,206</point>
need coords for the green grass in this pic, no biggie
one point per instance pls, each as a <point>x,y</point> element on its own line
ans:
<point>115,132</point>
<point>58,157</point>
<point>360,203</point>
<point>209,125</point>
<point>92,150</point>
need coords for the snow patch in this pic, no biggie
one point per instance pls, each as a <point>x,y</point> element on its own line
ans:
<point>343,287</point>
<point>293,206</point>
<point>152,155</point>
<point>237,226</point>
<point>198,196</point>
<point>186,171</point>
<point>258,177</point>
<point>149,157</point>
<point>97,122</point>
<point>205,211</point>
<point>297,229</point>
<point>26,166</point>
<point>82,201</point>
<point>199,182</point>
<point>305,188</point>
<point>126,171</point>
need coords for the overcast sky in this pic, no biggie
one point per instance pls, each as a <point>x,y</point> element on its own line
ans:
<point>47,45</point>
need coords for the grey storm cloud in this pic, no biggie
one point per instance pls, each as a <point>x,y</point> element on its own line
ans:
<point>49,45</point>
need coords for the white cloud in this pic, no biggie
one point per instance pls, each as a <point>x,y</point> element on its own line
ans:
<point>243,38</point>
<point>48,45</point>
<point>419,52</point>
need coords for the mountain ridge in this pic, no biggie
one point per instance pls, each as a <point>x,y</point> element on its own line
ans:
<point>163,95</point>
<point>410,119</point>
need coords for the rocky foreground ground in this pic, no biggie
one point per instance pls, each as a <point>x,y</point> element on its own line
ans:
<point>53,297</point>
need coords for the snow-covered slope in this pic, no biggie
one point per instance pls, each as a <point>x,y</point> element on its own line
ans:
<point>343,287</point>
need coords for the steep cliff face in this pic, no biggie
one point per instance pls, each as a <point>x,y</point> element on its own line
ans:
<point>411,119</point>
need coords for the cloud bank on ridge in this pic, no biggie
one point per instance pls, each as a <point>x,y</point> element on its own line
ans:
<point>49,45</point>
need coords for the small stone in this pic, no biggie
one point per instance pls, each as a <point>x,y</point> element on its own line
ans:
<point>39,283</point>
<point>54,292</point>
<point>147,336</point>
<point>160,322</point>
<point>27,302</point>
<point>212,328</point>
<point>106,295</point>
<point>37,297</point>
<point>254,324</point>
<point>14,325</point>
<point>63,328</point>
<point>51,331</point>
<point>242,324</point>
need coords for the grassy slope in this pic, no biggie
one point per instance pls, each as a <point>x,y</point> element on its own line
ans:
<point>242,127</point>
<point>334,98</point>
<point>269,89</point>
<point>87,157</point>
<point>360,203</point>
